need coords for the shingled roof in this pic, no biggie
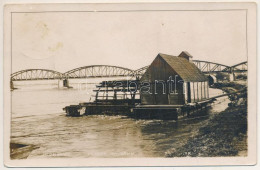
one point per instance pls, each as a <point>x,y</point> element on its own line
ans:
<point>187,70</point>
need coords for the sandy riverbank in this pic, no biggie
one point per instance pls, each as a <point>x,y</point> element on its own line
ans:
<point>225,134</point>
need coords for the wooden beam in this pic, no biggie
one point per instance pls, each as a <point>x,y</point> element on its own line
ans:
<point>193,92</point>
<point>205,96</point>
<point>201,90</point>
<point>208,89</point>
<point>197,91</point>
<point>188,92</point>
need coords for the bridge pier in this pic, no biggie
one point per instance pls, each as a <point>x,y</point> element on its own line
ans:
<point>12,85</point>
<point>232,76</point>
<point>212,79</point>
<point>65,83</point>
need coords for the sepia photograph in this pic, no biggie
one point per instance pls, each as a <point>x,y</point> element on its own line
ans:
<point>166,83</point>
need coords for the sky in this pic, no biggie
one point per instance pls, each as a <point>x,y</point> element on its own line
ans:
<point>67,40</point>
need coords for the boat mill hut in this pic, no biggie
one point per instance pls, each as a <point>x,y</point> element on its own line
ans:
<point>173,80</point>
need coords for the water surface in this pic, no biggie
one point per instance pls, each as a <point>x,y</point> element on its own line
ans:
<point>38,118</point>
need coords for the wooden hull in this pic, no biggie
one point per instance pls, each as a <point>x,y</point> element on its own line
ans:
<point>107,109</point>
<point>170,112</point>
<point>163,112</point>
<point>157,112</point>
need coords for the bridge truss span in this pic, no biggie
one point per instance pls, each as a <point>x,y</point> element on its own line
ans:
<point>210,67</point>
<point>141,71</point>
<point>242,67</point>
<point>36,74</point>
<point>95,71</point>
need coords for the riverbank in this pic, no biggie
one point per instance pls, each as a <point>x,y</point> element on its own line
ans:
<point>225,134</point>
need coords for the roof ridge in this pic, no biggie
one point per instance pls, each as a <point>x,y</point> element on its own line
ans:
<point>187,70</point>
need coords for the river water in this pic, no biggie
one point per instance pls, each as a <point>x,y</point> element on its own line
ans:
<point>38,118</point>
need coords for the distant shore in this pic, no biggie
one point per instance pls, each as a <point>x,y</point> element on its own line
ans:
<point>225,134</point>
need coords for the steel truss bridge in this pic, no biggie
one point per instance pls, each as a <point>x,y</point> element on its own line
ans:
<point>36,74</point>
<point>95,71</point>
<point>211,67</point>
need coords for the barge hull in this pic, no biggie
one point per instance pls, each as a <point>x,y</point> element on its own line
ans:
<point>170,112</point>
<point>107,110</point>
<point>156,113</point>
